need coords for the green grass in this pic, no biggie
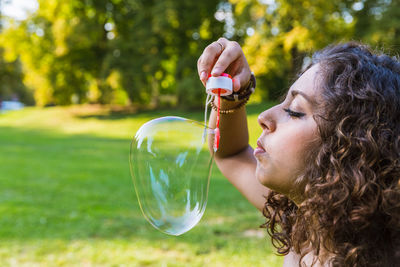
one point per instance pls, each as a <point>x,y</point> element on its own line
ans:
<point>67,198</point>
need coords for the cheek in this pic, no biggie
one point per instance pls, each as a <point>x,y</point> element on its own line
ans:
<point>291,147</point>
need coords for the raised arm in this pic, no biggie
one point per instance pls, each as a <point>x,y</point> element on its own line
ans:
<point>234,157</point>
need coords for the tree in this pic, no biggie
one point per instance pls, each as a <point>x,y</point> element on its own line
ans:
<point>283,33</point>
<point>11,77</point>
<point>78,51</point>
<point>158,45</point>
<point>144,52</point>
<point>377,22</point>
<point>62,48</point>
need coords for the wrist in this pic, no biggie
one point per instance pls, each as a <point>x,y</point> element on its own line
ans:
<point>244,92</point>
<point>228,107</point>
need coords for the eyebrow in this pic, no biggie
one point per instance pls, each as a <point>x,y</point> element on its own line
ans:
<point>305,96</point>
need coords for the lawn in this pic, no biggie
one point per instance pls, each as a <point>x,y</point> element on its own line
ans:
<point>67,198</point>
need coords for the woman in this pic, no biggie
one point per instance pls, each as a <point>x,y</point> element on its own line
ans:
<point>326,168</point>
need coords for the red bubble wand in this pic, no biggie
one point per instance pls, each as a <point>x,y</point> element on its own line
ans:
<point>218,86</point>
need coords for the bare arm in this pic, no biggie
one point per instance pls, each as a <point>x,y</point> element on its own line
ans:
<point>234,157</point>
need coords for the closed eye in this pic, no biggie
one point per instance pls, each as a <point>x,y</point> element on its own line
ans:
<point>292,113</point>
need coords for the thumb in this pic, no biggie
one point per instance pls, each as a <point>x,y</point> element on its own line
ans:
<point>240,80</point>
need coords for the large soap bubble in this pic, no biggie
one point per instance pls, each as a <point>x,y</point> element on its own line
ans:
<point>171,166</point>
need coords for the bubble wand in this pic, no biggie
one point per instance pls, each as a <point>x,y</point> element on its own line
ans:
<point>218,86</point>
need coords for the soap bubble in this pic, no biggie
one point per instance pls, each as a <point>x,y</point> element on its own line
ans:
<point>171,166</point>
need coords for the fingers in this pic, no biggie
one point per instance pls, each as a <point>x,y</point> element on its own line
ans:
<point>241,79</point>
<point>208,59</point>
<point>224,56</point>
<point>203,68</point>
<point>229,55</point>
<point>236,84</point>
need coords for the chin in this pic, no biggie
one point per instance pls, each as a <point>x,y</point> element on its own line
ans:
<point>262,176</point>
<point>272,182</point>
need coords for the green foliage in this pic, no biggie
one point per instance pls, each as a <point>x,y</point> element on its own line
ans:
<point>12,85</point>
<point>157,51</point>
<point>62,46</point>
<point>285,33</point>
<point>144,52</point>
<point>378,23</point>
<point>73,50</point>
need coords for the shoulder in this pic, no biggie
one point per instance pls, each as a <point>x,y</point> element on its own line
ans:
<point>292,260</point>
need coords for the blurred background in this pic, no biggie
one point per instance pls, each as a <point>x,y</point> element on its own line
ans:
<point>79,77</point>
<point>132,52</point>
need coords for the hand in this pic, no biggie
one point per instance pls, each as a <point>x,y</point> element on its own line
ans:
<point>224,56</point>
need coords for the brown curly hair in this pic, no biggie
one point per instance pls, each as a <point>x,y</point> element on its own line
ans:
<point>351,207</point>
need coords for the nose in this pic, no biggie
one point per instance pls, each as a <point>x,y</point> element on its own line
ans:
<point>266,121</point>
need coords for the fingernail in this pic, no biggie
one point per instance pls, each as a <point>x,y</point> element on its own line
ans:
<point>203,75</point>
<point>237,84</point>
<point>215,72</point>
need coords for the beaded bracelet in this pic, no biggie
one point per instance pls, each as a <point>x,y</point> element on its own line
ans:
<point>229,111</point>
<point>244,92</point>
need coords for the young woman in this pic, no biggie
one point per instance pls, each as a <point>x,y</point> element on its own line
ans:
<point>326,168</point>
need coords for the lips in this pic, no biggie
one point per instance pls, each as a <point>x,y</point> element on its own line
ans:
<point>259,149</point>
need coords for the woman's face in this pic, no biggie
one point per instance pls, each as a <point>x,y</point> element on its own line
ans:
<point>289,131</point>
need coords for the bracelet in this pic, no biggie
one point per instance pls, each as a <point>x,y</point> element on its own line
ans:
<point>229,111</point>
<point>244,92</point>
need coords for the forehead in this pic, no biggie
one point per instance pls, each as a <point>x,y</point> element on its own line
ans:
<point>307,83</point>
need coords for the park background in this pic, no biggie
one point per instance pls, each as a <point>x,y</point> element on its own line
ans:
<point>91,72</point>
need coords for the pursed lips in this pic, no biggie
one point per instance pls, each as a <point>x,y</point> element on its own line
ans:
<point>259,149</point>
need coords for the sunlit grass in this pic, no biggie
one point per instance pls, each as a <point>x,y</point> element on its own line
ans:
<point>67,198</point>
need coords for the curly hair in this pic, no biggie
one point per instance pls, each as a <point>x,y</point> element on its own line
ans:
<point>351,207</point>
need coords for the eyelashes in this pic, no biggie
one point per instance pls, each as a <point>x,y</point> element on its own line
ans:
<point>295,114</point>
